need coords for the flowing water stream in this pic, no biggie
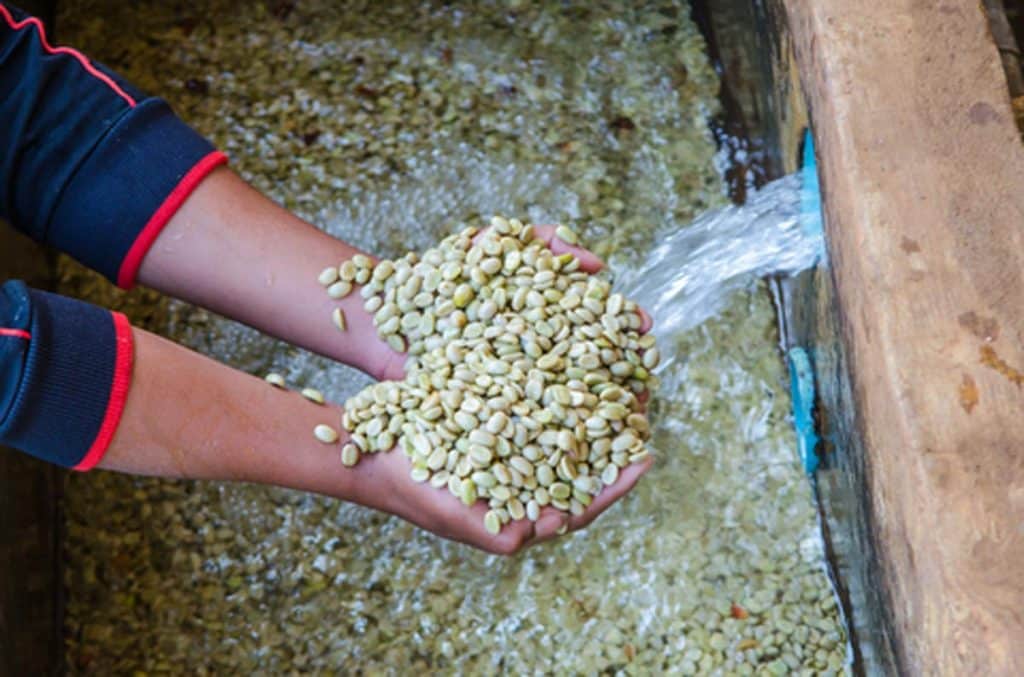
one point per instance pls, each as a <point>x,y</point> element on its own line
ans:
<point>389,125</point>
<point>692,271</point>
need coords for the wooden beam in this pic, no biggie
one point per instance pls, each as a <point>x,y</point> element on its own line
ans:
<point>923,182</point>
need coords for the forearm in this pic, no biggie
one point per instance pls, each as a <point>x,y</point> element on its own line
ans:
<point>81,388</point>
<point>191,417</point>
<point>234,251</point>
<point>102,172</point>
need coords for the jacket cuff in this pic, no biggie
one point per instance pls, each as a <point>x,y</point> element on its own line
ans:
<point>128,188</point>
<point>72,382</point>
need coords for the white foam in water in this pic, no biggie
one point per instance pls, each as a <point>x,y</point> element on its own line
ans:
<point>692,271</point>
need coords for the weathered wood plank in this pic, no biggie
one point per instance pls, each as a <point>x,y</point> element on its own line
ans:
<point>922,169</point>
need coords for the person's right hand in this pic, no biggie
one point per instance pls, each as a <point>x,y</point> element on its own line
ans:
<point>388,487</point>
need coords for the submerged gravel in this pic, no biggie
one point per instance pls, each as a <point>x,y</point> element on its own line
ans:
<point>390,125</point>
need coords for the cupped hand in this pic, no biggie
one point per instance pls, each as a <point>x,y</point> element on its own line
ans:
<point>390,488</point>
<point>378,359</point>
<point>437,510</point>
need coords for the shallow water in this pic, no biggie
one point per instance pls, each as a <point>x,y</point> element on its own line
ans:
<point>389,125</point>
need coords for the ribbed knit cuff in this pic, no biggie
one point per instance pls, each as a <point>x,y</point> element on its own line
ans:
<point>128,189</point>
<point>74,379</point>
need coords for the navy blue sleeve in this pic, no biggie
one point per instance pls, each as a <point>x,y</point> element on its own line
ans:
<point>65,371</point>
<point>88,163</point>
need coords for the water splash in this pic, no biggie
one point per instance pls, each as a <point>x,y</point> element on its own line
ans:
<point>690,274</point>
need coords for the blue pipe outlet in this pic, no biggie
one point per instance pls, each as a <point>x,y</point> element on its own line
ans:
<point>801,372</point>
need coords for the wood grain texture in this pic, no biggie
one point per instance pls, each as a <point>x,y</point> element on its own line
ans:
<point>922,172</point>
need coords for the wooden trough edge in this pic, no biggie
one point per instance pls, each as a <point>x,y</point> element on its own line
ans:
<point>921,166</point>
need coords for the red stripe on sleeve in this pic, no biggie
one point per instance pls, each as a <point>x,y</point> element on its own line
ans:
<point>133,259</point>
<point>74,53</point>
<point>118,393</point>
<point>16,333</point>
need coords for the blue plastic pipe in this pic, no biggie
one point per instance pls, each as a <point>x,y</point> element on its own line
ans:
<point>801,371</point>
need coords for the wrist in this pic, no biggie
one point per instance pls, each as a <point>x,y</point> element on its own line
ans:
<point>318,468</point>
<point>357,344</point>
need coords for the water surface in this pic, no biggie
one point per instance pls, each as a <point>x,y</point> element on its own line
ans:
<point>388,125</point>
